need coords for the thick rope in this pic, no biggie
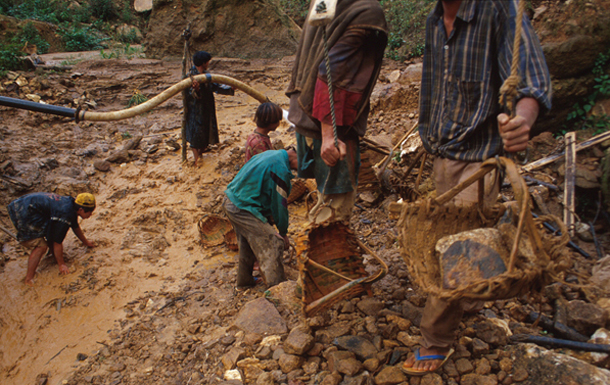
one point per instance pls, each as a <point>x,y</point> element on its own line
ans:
<point>329,80</point>
<point>508,91</point>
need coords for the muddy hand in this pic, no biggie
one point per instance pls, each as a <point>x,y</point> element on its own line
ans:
<point>63,270</point>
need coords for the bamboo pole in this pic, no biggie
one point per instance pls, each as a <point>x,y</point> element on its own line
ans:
<point>568,194</point>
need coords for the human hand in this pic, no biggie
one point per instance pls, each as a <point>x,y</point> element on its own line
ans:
<point>90,244</point>
<point>195,85</point>
<point>63,270</point>
<point>286,242</point>
<point>515,132</point>
<point>332,154</point>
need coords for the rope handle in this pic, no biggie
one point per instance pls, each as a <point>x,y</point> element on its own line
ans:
<point>367,280</point>
<point>508,90</point>
<point>526,221</point>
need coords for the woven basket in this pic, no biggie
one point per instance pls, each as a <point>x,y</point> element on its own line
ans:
<point>424,222</point>
<point>367,179</point>
<point>297,190</point>
<point>212,230</point>
<point>331,266</point>
<point>231,240</point>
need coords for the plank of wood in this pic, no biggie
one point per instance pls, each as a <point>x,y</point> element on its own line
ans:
<point>570,179</point>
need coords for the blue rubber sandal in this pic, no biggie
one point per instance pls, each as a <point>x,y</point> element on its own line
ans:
<point>257,280</point>
<point>415,372</point>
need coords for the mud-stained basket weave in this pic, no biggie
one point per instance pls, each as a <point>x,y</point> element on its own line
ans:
<point>367,179</point>
<point>424,222</point>
<point>330,259</point>
<point>231,240</point>
<point>212,230</point>
<point>297,190</point>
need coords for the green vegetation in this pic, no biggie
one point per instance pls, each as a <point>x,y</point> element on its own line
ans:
<point>77,39</point>
<point>30,35</point>
<point>82,25</point>
<point>582,115</point>
<point>296,9</point>
<point>130,37</point>
<point>12,48</point>
<point>406,22</point>
<point>64,11</point>
<point>136,98</point>
<point>126,52</point>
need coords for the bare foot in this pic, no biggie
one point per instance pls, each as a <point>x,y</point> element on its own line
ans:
<point>424,365</point>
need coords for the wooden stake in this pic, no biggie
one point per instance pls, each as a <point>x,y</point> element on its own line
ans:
<point>187,35</point>
<point>568,199</point>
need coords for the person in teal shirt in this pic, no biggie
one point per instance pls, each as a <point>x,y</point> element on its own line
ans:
<point>255,201</point>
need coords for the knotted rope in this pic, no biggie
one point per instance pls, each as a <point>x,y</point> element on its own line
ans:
<point>508,91</point>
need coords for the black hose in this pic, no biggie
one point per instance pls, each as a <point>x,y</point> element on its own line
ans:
<point>38,107</point>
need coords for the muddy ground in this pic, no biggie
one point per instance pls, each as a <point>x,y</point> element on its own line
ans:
<point>150,304</point>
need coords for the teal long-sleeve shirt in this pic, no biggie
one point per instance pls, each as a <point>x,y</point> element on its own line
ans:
<point>262,186</point>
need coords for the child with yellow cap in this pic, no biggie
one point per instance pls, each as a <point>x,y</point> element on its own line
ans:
<point>42,221</point>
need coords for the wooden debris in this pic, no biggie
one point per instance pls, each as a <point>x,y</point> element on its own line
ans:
<point>570,178</point>
<point>398,144</point>
<point>580,146</point>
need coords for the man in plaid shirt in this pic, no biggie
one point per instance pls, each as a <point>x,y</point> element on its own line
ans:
<point>467,57</point>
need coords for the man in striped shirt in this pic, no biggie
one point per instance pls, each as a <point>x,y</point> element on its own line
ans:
<point>467,57</point>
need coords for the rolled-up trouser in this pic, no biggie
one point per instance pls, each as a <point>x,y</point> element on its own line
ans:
<point>441,318</point>
<point>257,241</point>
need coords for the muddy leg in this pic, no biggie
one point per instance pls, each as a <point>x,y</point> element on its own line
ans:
<point>270,260</point>
<point>33,262</point>
<point>245,263</point>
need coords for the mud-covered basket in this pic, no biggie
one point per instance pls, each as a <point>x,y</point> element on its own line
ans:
<point>231,240</point>
<point>212,230</point>
<point>330,259</point>
<point>534,260</point>
<point>300,187</point>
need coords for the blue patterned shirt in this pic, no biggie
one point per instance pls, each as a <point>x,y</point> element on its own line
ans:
<point>462,76</point>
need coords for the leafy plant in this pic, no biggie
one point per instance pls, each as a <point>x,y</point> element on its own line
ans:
<point>581,115</point>
<point>103,9</point>
<point>296,9</point>
<point>29,34</point>
<point>9,59</point>
<point>130,37</point>
<point>77,38</point>
<point>136,98</point>
<point>406,22</point>
<point>126,14</point>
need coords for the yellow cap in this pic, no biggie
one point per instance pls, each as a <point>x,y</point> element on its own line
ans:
<point>85,200</point>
